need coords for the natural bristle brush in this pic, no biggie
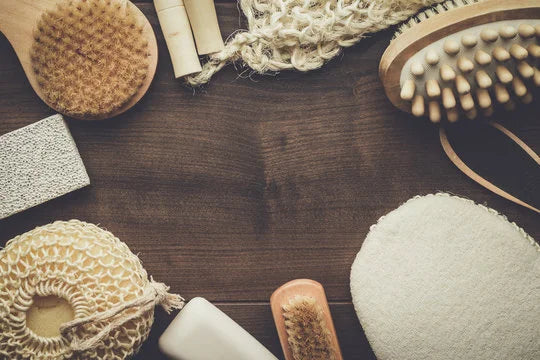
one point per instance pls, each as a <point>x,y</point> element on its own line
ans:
<point>303,321</point>
<point>89,59</point>
<point>462,57</point>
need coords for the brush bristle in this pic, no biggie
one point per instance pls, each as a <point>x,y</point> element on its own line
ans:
<point>432,11</point>
<point>89,56</point>
<point>308,335</point>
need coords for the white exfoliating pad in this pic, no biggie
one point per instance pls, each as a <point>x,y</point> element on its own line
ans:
<point>443,278</point>
<point>38,162</point>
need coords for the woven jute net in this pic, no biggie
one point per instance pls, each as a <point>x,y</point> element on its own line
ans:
<point>304,34</point>
<point>102,280</point>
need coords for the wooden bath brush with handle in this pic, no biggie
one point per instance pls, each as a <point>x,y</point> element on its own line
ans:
<point>464,60</point>
<point>88,59</point>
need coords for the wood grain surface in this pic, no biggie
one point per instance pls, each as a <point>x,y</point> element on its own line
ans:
<point>230,191</point>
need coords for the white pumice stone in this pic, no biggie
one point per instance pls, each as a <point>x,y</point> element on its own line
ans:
<point>38,163</point>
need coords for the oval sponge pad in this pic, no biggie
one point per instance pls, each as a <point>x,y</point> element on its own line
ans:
<point>443,278</point>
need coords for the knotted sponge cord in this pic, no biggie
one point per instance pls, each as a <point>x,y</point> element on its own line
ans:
<point>303,34</point>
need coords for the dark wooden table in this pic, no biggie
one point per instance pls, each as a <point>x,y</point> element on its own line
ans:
<point>229,192</point>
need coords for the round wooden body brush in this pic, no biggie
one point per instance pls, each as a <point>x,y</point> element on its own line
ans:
<point>462,57</point>
<point>88,59</point>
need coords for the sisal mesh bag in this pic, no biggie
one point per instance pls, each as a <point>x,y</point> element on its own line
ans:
<point>304,34</point>
<point>102,280</point>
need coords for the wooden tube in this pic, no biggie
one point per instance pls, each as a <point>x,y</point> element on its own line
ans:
<point>203,19</point>
<point>177,32</point>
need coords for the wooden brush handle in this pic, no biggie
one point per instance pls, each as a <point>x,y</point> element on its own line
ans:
<point>17,21</point>
<point>302,287</point>
<point>177,32</point>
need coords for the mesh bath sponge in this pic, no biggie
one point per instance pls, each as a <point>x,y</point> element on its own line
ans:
<point>304,34</point>
<point>102,285</point>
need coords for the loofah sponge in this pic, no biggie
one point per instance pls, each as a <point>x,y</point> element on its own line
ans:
<point>89,56</point>
<point>68,270</point>
<point>442,278</point>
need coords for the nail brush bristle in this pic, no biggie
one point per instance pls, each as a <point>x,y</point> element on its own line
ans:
<point>308,335</point>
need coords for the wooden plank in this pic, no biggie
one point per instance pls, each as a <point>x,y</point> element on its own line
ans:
<point>231,191</point>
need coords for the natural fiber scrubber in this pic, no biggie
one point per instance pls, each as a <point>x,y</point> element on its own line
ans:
<point>89,59</point>
<point>442,278</point>
<point>303,35</point>
<point>70,290</point>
